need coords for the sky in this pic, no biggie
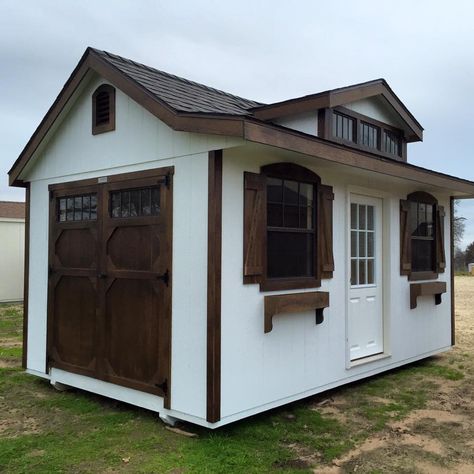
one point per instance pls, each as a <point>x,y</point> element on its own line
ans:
<point>267,50</point>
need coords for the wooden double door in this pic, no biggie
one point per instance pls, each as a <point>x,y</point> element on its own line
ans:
<point>109,295</point>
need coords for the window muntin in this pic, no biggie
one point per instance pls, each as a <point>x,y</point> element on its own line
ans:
<point>343,126</point>
<point>137,202</point>
<point>81,207</point>
<point>422,236</point>
<point>290,228</point>
<point>369,135</point>
<point>362,244</point>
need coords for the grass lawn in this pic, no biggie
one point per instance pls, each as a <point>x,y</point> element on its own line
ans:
<point>409,420</point>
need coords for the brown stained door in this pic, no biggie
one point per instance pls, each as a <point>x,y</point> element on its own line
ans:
<point>110,282</point>
<point>74,257</point>
<point>135,258</point>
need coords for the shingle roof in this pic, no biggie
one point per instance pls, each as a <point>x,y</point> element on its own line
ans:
<point>12,210</point>
<point>180,94</point>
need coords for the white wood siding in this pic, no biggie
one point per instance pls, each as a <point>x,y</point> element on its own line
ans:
<point>139,142</point>
<point>298,358</point>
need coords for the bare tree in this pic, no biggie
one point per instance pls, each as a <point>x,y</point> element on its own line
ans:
<point>459,225</point>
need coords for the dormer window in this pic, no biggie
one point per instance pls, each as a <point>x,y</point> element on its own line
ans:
<point>103,109</point>
<point>345,126</point>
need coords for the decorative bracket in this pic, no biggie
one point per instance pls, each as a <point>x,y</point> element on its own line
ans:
<point>435,288</point>
<point>295,303</point>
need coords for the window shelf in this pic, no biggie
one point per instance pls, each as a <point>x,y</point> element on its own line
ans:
<point>295,303</point>
<point>435,288</point>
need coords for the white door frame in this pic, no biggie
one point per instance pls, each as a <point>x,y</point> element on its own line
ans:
<point>389,212</point>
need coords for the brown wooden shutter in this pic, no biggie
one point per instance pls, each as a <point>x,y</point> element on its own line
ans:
<point>255,222</point>
<point>326,258</point>
<point>440,254</point>
<point>405,238</point>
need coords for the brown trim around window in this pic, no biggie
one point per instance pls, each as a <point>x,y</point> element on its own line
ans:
<point>325,131</point>
<point>291,171</point>
<point>26,277</point>
<point>110,124</point>
<point>214,269</point>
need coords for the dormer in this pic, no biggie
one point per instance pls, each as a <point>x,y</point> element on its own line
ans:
<point>367,116</point>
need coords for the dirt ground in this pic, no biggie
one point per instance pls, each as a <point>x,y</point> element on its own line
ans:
<point>439,438</point>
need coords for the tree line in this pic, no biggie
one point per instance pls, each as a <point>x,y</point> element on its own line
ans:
<point>461,257</point>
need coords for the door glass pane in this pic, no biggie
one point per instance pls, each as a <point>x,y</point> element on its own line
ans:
<point>70,209</point>
<point>134,203</point>
<point>354,279</point>
<point>362,220</point>
<point>78,208</point>
<point>370,272</point>
<point>362,244</point>
<point>353,243</point>
<point>370,217</point>
<point>362,272</point>
<point>62,209</point>
<point>115,197</point>
<point>86,207</point>
<point>94,206</point>
<point>145,201</point>
<point>125,204</point>
<point>155,201</point>
<point>370,244</point>
<point>353,216</point>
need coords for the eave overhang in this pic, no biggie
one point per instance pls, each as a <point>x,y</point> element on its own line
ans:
<point>343,96</point>
<point>249,128</point>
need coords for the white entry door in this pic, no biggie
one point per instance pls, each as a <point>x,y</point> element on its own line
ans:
<point>365,319</point>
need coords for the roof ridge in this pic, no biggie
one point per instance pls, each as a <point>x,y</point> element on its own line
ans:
<point>179,78</point>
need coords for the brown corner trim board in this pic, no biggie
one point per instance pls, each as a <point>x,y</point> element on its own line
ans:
<point>435,288</point>
<point>214,252</point>
<point>26,276</point>
<point>295,303</point>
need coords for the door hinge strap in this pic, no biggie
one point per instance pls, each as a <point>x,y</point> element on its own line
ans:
<point>165,277</point>
<point>163,386</point>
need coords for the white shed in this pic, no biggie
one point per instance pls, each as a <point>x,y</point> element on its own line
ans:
<point>12,250</point>
<point>210,257</point>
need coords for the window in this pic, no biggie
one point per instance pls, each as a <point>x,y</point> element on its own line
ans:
<point>362,244</point>
<point>369,135</point>
<point>135,202</point>
<point>422,254</point>
<point>290,228</point>
<point>361,131</point>
<point>343,126</point>
<point>77,208</point>
<point>287,228</point>
<point>391,143</point>
<point>103,109</point>
<point>422,236</point>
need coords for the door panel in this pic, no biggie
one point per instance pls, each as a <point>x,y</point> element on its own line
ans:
<point>109,301</point>
<point>365,318</point>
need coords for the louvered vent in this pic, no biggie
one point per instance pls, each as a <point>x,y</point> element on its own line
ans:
<point>102,108</point>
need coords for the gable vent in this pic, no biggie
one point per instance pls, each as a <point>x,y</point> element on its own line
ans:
<point>103,109</point>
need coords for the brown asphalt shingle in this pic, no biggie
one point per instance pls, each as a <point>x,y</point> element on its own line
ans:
<point>180,94</point>
<point>12,210</point>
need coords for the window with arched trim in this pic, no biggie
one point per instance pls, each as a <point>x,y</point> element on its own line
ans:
<point>287,228</point>
<point>103,109</point>
<point>422,253</point>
